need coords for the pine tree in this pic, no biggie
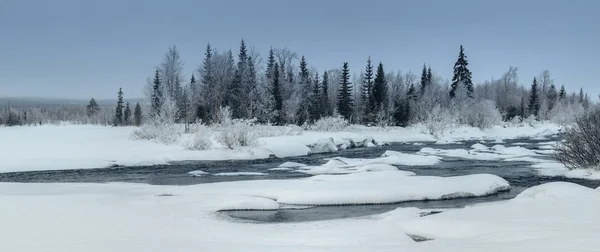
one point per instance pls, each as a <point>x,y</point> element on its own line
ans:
<point>238,96</point>
<point>315,101</point>
<point>424,79</point>
<point>345,102</point>
<point>563,93</point>
<point>303,113</point>
<point>270,64</point>
<point>275,91</point>
<point>581,96</point>
<point>126,114</point>
<point>137,114</point>
<point>210,92</point>
<point>366,92</point>
<point>92,108</point>
<point>380,88</point>
<point>462,75</point>
<point>534,100</point>
<point>119,109</point>
<point>157,95</point>
<point>325,96</point>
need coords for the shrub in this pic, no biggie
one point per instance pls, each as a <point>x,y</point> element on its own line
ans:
<point>440,120</point>
<point>581,147</point>
<point>166,133</point>
<point>201,139</point>
<point>235,133</point>
<point>330,124</point>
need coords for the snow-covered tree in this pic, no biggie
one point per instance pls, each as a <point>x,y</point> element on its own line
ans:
<point>345,101</point>
<point>462,75</point>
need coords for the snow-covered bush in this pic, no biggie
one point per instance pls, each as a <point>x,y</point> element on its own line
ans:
<point>264,130</point>
<point>201,139</point>
<point>565,113</point>
<point>235,133</point>
<point>161,128</point>
<point>330,124</point>
<point>483,114</point>
<point>581,147</point>
<point>531,120</point>
<point>439,120</point>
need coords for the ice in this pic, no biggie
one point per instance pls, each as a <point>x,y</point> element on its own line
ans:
<point>398,158</point>
<point>291,165</point>
<point>248,203</point>
<point>481,152</point>
<point>197,173</point>
<point>240,174</point>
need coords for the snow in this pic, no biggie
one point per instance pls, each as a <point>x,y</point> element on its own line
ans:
<point>556,169</point>
<point>49,147</point>
<point>240,174</point>
<point>291,165</point>
<point>482,152</point>
<point>280,169</point>
<point>550,217</point>
<point>346,169</point>
<point>197,173</point>
<point>131,217</point>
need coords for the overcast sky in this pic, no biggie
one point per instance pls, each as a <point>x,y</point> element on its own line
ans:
<point>80,49</point>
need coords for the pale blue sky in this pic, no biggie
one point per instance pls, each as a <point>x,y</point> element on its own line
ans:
<point>79,49</point>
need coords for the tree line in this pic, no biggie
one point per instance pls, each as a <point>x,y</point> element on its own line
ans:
<point>280,92</point>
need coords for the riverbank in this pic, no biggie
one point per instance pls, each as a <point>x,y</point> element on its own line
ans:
<point>62,147</point>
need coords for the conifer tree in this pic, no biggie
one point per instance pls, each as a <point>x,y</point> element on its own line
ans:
<point>522,109</point>
<point>429,76</point>
<point>303,113</point>
<point>325,96</point>
<point>534,100</point>
<point>137,114</point>
<point>157,95</point>
<point>238,96</point>
<point>270,64</point>
<point>424,79</point>
<point>366,92</point>
<point>315,101</point>
<point>563,93</point>
<point>209,92</point>
<point>462,75</point>
<point>119,109</point>
<point>92,108</point>
<point>126,114</point>
<point>581,96</point>
<point>193,90</point>
<point>345,101</point>
<point>380,88</point>
<point>185,105</point>
<point>251,90</point>
<point>275,91</point>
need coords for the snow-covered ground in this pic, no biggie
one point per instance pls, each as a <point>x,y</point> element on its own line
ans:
<point>51,147</point>
<point>136,217</point>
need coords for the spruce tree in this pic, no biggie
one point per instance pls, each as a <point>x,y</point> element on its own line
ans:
<point>275,91</point>
<point>534,100</point>
<point>315,101</point>
<point>429,76</point>
<point>92,108</point>
<point>345,102</point>
<point>402,113</point>
<point>380,88</point>
<point>303,113</point>
<point>462,75</point>
<point>238,96</point>
<point>563,93</point>
<point>119,109</point>
<point>157,95</point>
<point>209,89</point>
<point>126,114</point>
<point>552,95</point>
<point>366,92</point>
<point>252,90</point>
<point>270,64</point>
<point>193,90</point>
<point>325,96</point>
<point>424,79</point>
<point>137,114</point>
<point>581,96</point>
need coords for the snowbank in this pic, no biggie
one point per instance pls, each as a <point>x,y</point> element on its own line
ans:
<point>51,147</point>
<point>197,173</point>
<point>240,174</point>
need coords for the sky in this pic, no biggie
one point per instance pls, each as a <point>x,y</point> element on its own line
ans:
<point>81,49</point>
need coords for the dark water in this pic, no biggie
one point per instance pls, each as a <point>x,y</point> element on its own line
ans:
<point>518,174</point>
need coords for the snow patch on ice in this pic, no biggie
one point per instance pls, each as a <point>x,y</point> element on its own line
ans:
<point>240,174</point>
<point>197,173</point>
<point>291,165</point>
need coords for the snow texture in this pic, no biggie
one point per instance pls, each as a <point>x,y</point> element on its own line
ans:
<point>240,174</point>
<point>197,173</point>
